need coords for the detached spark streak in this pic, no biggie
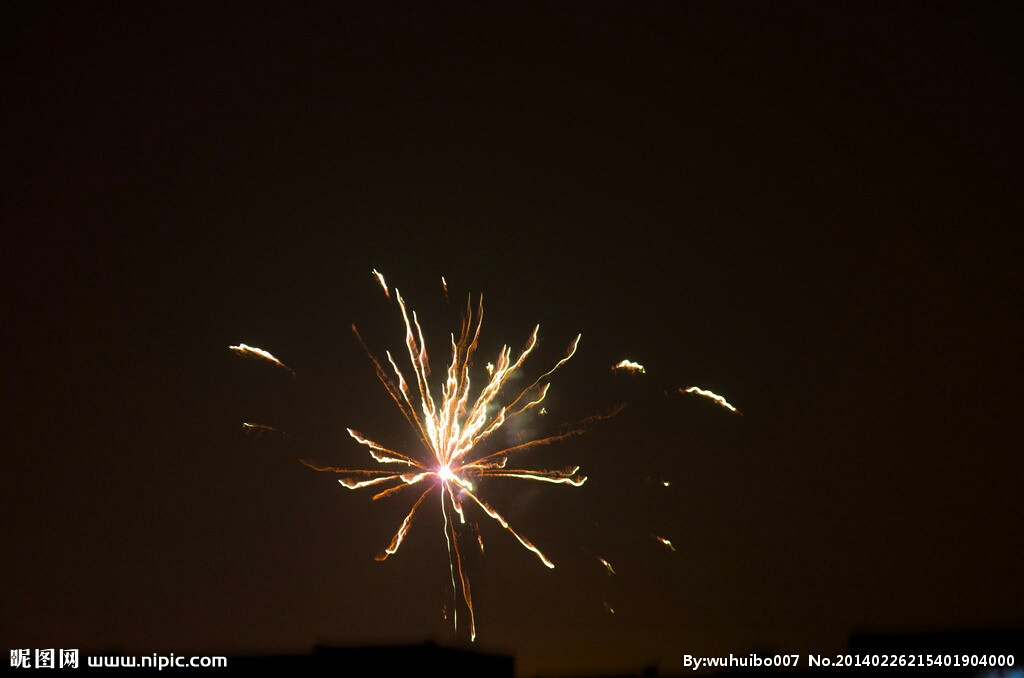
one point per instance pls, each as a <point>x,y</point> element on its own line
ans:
<point>452,430</point>
<point>713,396</point>
<point>380,279</point>
<point>245,350</point>
<point>629,366</point>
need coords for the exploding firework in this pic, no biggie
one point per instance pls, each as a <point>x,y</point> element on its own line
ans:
<point>452,428</point>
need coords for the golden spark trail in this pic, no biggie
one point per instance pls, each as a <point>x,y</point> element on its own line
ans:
<point>628,366</point>
<point>452,430</point>
<point>380,279</point>
<point>245,350</point>
<point>713,396</point>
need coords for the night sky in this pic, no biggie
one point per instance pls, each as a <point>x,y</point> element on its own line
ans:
<point>813,209</point>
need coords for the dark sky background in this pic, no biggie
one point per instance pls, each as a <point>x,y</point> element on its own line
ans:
<point>811,208</point>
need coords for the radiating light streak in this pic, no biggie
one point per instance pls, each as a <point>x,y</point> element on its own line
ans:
<point>664,542</point>
<point>629,366</point>
<point>607,566</point>
<point>713,396</point>
<point>479,537</point>
<point>380,279</point>
<point>452,426</point>
<point>245,350</point>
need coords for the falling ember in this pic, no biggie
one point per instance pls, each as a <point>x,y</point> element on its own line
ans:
<point>713,396</point>
<point>245,350</point>
<point>664,542</point>
<point>629,366</point>
<point>452,429</point>
<point>607,566</point>
<point>380,279</point>
<point>610,609</point>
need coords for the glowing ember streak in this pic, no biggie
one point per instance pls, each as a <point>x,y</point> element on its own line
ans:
<point>713,396</point>
<point>479,538</point>
<point>664,542</point>
<point>607,566</point>
<point>244,350</point>
<point>610,609</point>
<point>452,429</point>
<point>380,279</point>
<point>629,366</point>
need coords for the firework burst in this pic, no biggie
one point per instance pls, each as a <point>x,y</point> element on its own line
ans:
<point>452,426</point>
